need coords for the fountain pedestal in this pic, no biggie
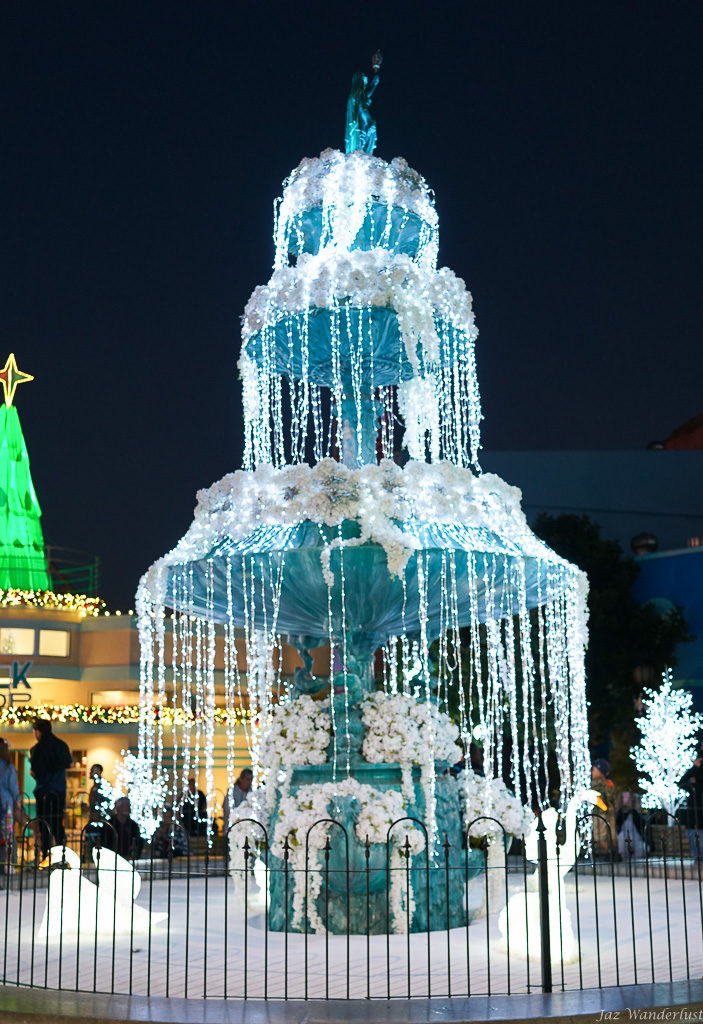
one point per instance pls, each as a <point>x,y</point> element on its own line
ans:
<point>356,892</point>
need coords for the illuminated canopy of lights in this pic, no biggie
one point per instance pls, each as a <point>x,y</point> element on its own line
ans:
<point>322,539</point>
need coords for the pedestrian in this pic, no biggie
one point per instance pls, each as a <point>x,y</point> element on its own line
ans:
<point>10,805</point>
<point>170,839</point>
<point>236,794</point>
<point>49,759</point>
<point>194,810</point>
<point>121,833</point>
<point>604,834</point>
<point>98,798</point>
<point>630,825</point>
<point>692,813</point>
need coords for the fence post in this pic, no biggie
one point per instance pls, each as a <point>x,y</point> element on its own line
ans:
<point>546,942</point>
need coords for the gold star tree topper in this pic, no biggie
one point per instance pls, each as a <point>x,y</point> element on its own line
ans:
<point>11,376</point>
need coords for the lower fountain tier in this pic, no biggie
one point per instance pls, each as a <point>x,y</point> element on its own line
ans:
<point>291,590</point>
<point>438,895</point>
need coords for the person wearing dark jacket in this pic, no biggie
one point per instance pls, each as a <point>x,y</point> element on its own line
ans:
<point>49,759</point>
<point>194,810</point>
<point>122,833</point>
<point>692,814</point>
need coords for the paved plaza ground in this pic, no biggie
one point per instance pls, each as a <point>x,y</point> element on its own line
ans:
<point>217,955</point>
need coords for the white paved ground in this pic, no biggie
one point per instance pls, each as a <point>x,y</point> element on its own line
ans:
<point>223,958</point>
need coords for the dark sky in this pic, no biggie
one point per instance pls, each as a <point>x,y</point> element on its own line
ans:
<point>144,143</point>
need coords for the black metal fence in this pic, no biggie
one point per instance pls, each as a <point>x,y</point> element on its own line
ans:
<point>499,916</point>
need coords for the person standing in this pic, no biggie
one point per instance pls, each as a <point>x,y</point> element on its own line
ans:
<point>604,835</point>
<point>10,806</point>
<point>169,840</point>
<point>236,794</point>
<point>123,836</point>
<point>194,810</point>
<point>98,798</point>
<point>692,814</point>
<point>49,758</point>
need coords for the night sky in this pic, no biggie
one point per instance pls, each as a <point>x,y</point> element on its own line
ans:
<point>144,143</point>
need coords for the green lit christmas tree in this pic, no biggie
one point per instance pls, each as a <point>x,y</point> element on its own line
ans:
<point>22,557</point>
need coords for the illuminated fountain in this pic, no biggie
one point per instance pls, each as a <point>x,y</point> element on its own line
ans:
<point>426,576</point>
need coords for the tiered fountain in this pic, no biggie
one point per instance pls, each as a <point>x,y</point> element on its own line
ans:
<point>323,540</point>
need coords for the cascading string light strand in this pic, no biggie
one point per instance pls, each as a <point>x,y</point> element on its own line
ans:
<point>476,696</point>
<point>146,641</point>
<point>176,676</point>
<point>509,683</point>
<point>187,693</point>
<point>316,402</point>
<point>428,769</point>
<point>184,643</point>
<point>332,647</point>
<point>230,658</point>
<point>161,687</point>
<point>276,574</point>
<point>529,723</point>
<point>251,695</point>
<point>345,655</point>
<point>169,703</point>
<point>542,668</point>
<point>456,669</point>
<point>264,653</point>
<point>209,710</point>
<point>199,705</point>
<point>404,642</point>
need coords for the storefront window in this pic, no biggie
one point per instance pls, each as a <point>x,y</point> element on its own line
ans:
<point>16,641</point>
<point>54,643</point>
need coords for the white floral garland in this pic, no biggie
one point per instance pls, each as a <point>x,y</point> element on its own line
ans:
<point>345,180</point>
<point>397,728</point>
<point>298,732</point>
<point>364,279</point>
<point>490,798</point>
<point>377,497</point>
<point>378,809</point>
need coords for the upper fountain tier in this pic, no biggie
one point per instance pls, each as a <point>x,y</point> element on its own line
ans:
<point>357,306</point>
<point>356,201</point>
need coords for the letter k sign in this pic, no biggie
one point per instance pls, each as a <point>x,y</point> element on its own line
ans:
<point>19,676</point>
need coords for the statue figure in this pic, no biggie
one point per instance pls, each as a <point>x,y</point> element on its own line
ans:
<point>360,132</point>
<point>304,682</point>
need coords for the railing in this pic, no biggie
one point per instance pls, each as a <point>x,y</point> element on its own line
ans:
<point>73,571</point>
<point>192,925</point>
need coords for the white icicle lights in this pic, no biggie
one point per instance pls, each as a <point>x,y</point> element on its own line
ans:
<point>373,277</point>
<point>378,498</point>
<point>343,187</point>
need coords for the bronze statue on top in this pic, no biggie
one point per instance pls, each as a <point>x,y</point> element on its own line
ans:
<point>360,131</point>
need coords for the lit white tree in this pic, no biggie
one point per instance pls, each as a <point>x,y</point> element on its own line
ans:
<point>667,745</point>
<point>146,788</point>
